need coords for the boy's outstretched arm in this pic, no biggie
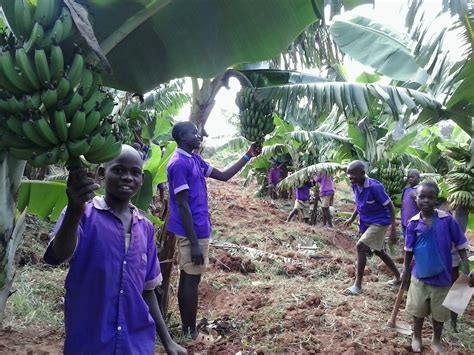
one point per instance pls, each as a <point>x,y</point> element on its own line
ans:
<point>254,150</point>
<point>170,346</point>
<point>80,189</point>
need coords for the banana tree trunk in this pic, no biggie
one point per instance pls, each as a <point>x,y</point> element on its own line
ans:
<point>204,101</point>
<point>11,225</point>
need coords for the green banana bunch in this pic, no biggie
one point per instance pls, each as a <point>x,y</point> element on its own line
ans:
<point>256,117</point>
<point>460,183</point>
<point>391,175</point>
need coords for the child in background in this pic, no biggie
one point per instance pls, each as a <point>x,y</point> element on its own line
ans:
<point>302,195</point>
<point>376,213</point>
<point>326,194</point>
<point>409,207</point>
<point>110,304</point>
<point>273,178</point>
<point>430,236</point>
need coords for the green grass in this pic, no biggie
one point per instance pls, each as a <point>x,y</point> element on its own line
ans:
<point>38,299</point>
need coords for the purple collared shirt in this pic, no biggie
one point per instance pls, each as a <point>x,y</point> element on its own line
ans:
<point>372,204</point>
<point>409,207</point>
<point>274,175</point>
<point>326,185</point>
<point>188,172</point>
<point>302,193</point>
<point>448,234</point>
<point>104,309</point>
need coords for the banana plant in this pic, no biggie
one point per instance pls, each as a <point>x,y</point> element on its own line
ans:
<point>421,59</point>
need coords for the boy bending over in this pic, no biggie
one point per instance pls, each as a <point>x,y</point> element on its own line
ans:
<point>376,213</point>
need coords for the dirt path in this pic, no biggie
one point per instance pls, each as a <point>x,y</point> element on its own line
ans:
<point>278,287</point>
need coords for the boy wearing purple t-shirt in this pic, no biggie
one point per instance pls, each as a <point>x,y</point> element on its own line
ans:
<point>376,213</point>
<point>409,207</point>
<point>302,195</point>
<point>326,194</point>
<point>189,215</point>
<point>110,304</point>
<point>429,240</point>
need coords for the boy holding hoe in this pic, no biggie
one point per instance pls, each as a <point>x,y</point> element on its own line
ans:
<point>409,207</point>
<point>430,237</point>
<point>110,304</point>
<point>189,216</point>
<point>376,213</point>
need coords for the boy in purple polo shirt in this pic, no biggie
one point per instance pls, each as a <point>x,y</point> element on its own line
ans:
<point>326,194</point>
<point>409,207</point>
<point>110,304</point>
<point>302,195</point>
<point>376,213</point>
<point>189,215</point>
<point>430,237</point>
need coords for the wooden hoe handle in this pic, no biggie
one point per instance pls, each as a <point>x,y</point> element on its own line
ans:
<point>396,306</point>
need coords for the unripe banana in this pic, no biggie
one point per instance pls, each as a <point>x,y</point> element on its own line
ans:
<point>73,105</point>
<point>78,148</point>
<point>36,36</point>
<point>7,66</point>
<point>24,153</point>
<point>60,125</point>
<point>14,123</point>
<point>30,132</point>
<point>78,123</point>
<point>42,67</point>
<point>91,122</point>
<point>75,70</point>
<point>49,97</point>
<point>53,36</point>
<point>62,88</point>
<point>26,67</point>
<point>46,131</point>
<point>57,63</point>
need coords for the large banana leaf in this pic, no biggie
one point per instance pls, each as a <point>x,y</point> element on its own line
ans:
<point>350,98</point>
<point>375,45</point>
<point>189,38</point>
<point>45,199</point>
<point>301,176</point>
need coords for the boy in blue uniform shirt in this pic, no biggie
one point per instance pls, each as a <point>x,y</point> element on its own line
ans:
<point>430,237</point>
<point>376,213</point>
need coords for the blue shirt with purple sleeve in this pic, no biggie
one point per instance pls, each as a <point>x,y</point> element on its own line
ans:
<point>409,207</point>
<point>372,204</point>
<point>188,172</point>
<point>447,234</point>
<point>104,309</point>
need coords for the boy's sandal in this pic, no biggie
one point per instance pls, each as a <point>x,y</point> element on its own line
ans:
<point>394,283</point>
<point>353,291</point>
<point>206,339</point>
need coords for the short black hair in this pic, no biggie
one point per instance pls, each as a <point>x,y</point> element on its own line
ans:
<point>413,171</point>
<point>179,128</point>
<point>358,165</point>
<point>431,184</point>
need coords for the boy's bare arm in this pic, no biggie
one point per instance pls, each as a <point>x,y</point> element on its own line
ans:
<point>393,230</point>
<point>254,150</point>
<point>352,219</point>
<point>187,220</point>
<point>464,261</point>
<point>80,189</point>
<point>162,330</point>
